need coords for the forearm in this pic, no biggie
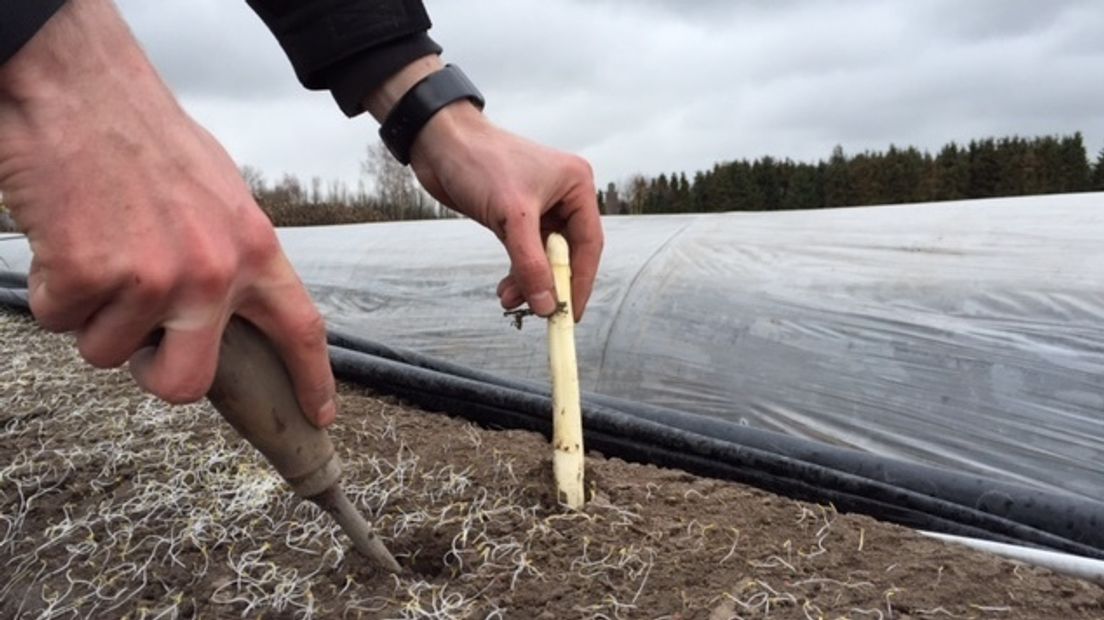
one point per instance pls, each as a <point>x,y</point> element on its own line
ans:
<point>85,40</point>
<point>82,61</point>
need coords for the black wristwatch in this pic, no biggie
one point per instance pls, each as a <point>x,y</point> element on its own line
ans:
<point>420,103</point>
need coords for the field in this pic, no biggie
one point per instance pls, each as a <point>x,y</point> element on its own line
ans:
<point>114,505</point>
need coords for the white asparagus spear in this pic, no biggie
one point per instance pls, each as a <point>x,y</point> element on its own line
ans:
<point>567,420</point>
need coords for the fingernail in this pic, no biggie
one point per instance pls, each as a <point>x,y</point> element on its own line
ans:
<point>543,303</point>
<point>327,414</point>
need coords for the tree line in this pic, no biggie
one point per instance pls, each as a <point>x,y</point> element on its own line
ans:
<point>394,195</point>
<point>985,168</point>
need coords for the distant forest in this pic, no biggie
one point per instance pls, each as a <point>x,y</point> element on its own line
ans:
<point>395,195</point>
<point>981,169</point>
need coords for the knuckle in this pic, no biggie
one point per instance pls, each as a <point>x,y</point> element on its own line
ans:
<point>260,245</point>
<point>515,214</point>
<point>319,391</point>
<point>309,331</point>
<point>50,318</point>
<point>518,207</point>
<point>151,285</point>
<point>527,266</point>
<point>60,308</point>
<point>581,167</point>
<point>80,279</point>
<point>531,275</point>
<point>212,275</point>
<point>215,281</point>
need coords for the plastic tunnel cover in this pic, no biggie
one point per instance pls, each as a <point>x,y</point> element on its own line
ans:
<point>964,334</point>
<point>968,335</point>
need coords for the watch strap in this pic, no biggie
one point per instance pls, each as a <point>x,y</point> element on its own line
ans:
<point>420,103</point>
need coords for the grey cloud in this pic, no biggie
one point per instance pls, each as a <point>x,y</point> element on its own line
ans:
<point>980,20</point>
<point>660,85</point>
<point>211,48</point>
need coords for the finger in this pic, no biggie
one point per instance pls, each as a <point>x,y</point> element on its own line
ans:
<point>509,293</point>
<point>61,310</point>
<point>111,336</point>
<point>182,366</point>
<point>286,314</point>
<point>529,266</point>
<point>584,235</point>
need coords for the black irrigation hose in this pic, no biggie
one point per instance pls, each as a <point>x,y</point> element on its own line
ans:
<point>620,434</point>
<point>13,297</point>
<point>12,280</point>
<point>912,495</point>
<point>1066,516</point>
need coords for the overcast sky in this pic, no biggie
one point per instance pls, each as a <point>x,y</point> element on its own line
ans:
<point>656,86</point>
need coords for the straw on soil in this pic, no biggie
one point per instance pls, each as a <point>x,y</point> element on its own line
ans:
<point>115,505</point>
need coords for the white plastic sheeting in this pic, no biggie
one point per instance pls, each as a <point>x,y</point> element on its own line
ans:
<point>1075,565</point>
<point>966,334</point>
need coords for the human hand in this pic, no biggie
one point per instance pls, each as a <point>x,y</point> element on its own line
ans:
<point>520,190</point>
<point>138,220</point>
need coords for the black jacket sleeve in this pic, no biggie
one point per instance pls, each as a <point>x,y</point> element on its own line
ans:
<point>348,47</point>
<point>20,20</point>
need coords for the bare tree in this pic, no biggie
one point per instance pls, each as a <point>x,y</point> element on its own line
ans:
<point>289,190</point>
<point>254,178</point>
<point>396,190</point>
<point>636,193</point>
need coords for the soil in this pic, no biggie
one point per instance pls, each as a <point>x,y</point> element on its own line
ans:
<point>115,505</point>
